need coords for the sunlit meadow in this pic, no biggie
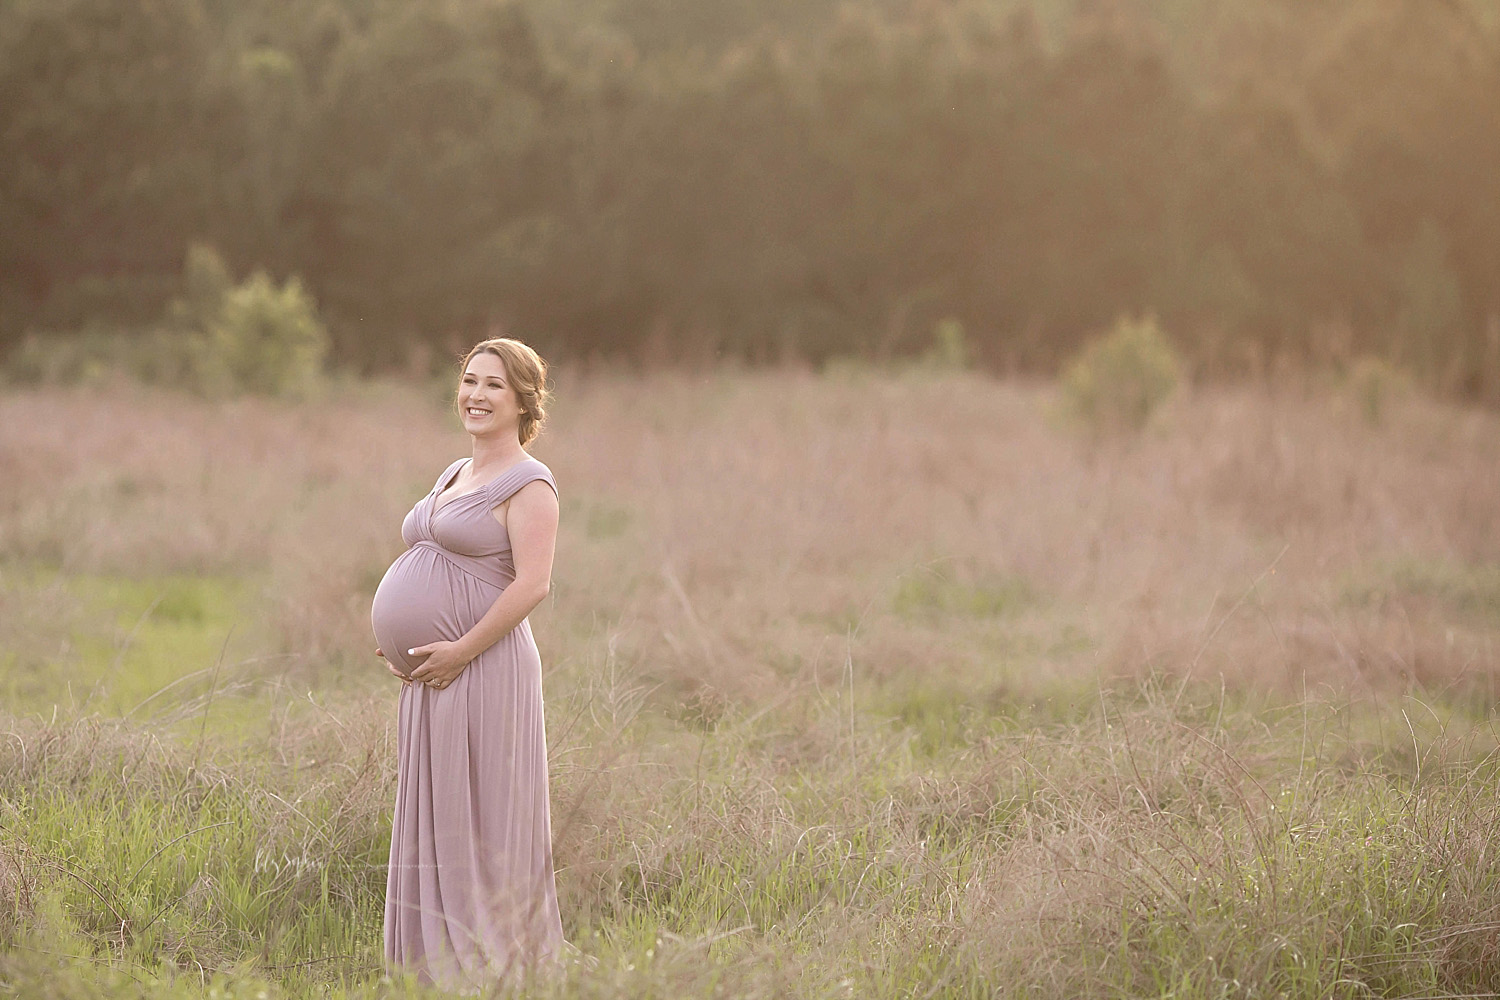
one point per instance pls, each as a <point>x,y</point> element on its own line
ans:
<point>859,684</point>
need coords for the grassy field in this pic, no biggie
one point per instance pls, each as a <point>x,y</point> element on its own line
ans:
<point>858,685</point>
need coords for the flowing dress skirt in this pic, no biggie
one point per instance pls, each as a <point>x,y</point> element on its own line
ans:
<point>470,893</point>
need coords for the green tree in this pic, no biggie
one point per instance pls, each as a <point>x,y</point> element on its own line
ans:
<point>109,113</point>
<point>427,184</point>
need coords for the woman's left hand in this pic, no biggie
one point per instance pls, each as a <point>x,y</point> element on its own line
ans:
<point>442,666</point>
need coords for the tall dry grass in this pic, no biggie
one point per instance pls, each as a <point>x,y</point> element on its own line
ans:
<point>858,685</point>
<point>725,531</point>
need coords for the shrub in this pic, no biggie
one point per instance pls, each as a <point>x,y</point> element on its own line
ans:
<point>1431,307</point>
<point>218,338</point>
<point>96,355</point>
<point>47,359</point>
<point>206,283</point>
<point>1120,380</point>
<point>264,340</point>
<point>949,347</point>
<point>1374,384</point>
<point>253,338</point>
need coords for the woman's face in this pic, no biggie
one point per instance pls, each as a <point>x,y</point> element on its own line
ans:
<point>486,401</point>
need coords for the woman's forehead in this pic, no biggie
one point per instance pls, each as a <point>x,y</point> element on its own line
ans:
<point>485,364</point>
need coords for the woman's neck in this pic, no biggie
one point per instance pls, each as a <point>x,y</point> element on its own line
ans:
<point>496,454</point>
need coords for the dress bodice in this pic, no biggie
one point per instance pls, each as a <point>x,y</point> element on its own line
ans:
<point>464,524</point>
<point>464,530</point>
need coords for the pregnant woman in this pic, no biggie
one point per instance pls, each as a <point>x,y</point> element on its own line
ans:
<point>470,895</point>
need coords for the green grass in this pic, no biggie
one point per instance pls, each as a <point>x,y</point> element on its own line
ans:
<point>942,836</point>
<point>942,589</point>
<point>1145,847</point>
<point>1470,593</point>
<point>176,649</point>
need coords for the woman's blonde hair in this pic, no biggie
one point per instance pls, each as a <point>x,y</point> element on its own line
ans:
<point>527,374</point>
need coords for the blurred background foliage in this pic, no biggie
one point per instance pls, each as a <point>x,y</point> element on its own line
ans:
<point>764,181</point>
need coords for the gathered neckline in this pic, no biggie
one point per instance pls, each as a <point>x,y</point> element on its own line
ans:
<point>436,506</point>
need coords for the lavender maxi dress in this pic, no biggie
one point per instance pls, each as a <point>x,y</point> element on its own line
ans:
<point>470,892</point>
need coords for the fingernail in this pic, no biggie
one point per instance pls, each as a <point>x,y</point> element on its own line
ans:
<point>411,652</point>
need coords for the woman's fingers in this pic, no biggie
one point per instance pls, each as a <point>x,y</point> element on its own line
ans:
<point>432,682</point>
<point>378,652</point>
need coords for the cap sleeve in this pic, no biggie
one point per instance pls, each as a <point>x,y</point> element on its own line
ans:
<point>505,487</point>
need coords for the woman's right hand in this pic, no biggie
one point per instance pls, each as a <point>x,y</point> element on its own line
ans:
<point>404,679</point>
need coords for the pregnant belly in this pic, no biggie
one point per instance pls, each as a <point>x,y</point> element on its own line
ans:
<point>418,601</point>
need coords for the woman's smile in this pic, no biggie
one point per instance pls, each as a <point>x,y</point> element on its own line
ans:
<point>485,396</point>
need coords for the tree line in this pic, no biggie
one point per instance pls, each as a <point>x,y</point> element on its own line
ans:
<point>764,180</point>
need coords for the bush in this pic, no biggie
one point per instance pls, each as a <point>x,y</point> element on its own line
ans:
<point>1120,380</point>
<point>950,348</point>
<point>47,359</point>
<point>253,338</point>
<point>206,283</point>
<point>218,338</point>
<point>264,340</point>
<point>158,357</point>
<point>1374,384</point>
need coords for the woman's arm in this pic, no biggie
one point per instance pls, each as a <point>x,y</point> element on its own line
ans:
<point>531,522</point>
